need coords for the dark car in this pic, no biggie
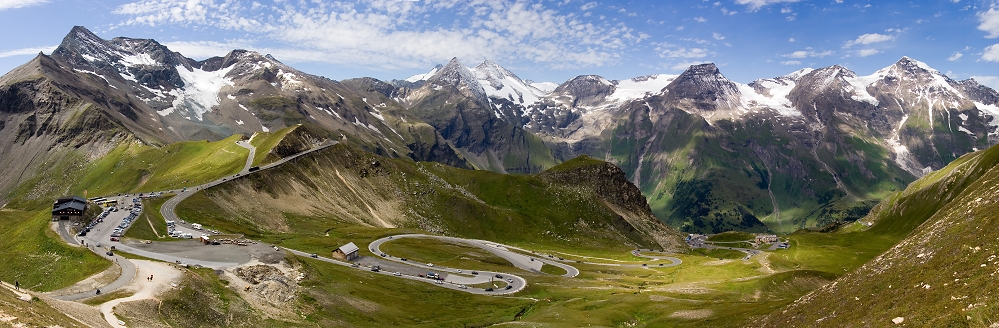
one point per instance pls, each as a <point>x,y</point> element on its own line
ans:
<point>404,259</point>
<point>109,253</point>
<point>499,276</point>
<point>508,287</point>
<point>489,289</point>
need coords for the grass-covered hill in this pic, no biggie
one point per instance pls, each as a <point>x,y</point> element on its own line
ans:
<point>582,203</point>
<point>944,271</point>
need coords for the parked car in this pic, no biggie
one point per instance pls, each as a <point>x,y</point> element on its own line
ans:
<point>314,255</point>
<point>397,273</point>
<point>489,289</point>
<point>508,287</point>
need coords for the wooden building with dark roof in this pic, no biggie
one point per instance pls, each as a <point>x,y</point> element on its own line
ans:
<point>67,208</point>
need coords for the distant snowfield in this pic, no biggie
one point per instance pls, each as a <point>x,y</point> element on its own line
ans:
<point>200,92</point>
<point>638,88</point>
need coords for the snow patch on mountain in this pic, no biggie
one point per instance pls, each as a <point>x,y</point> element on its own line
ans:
<point>425,76</point>
<point>860,84</point>
<point>992,110</point>
<point>501,83</point>
<point>138,59</point>
<point>545,87</point>
<point>200,92</point>
<point>639,87</point>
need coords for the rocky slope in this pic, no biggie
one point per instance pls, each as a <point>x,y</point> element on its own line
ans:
<point>91,95</point>
<point>939,275</point>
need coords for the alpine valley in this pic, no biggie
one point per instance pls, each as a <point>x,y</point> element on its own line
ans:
<point>577,197</point>
<point>802,150</point>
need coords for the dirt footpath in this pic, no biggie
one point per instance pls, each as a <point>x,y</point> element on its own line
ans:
<point>165,275</point>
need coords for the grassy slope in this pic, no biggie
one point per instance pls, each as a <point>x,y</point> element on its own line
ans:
<point>150,225</point>
<point>939,274</point>
<point>515,209</point>
<point>133,167</point>
<point>39,258</point>
<point>265,141</point>
<point>35,314</point>
<point>36,257</point>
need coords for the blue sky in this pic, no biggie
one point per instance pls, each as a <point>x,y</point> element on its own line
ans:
<point>543,40</point>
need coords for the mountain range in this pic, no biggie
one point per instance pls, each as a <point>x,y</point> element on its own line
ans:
<point>801,150</point>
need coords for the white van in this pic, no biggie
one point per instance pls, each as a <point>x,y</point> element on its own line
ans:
<point>196,226</point>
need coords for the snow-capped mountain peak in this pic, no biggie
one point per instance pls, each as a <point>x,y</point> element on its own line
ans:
<point>457,75</point>
<point>499,82</point>
<point>425,76</point>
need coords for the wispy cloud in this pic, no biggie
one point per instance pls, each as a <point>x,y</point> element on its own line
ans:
<point>867,52</point>
<point>14,4</point>
<point>667,50</point>
<point>26,51</point>
<point>755,5</point>
<point>791,62</point>
<point>808,52</point>
<point>955,56</point>
<point>868,39</point>
<point>394,33</point>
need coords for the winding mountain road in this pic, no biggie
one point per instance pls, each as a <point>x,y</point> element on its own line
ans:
<point>453,278</point>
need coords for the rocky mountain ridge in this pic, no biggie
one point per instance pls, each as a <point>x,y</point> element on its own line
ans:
<point>835,141</point>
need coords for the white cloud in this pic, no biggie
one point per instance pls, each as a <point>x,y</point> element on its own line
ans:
<point>394,34</point>
<point>791,62</point>
<point>588,6</point>
<point>785,10</point>
<point>991,81</point>
<point>955,56</point>
<point>808,52</point>
<point>700,19</point>
<point>755,5</point>
<point>991,53</point>
<point>990,22</point>
<point>717,36</point>
<point>790,40</point>
<point>680,28</point>
<point>868,52</point>
<point>673,51</point>
<point>727,12</point>
<point>26,51</point>
<point>868,39</point>
<point>14,4</point>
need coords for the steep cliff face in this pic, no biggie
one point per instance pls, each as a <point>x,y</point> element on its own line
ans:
<point>609,184</point>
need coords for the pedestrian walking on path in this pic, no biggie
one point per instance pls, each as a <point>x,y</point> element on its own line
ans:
<point>17,285</point>
<point>98,291</point>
